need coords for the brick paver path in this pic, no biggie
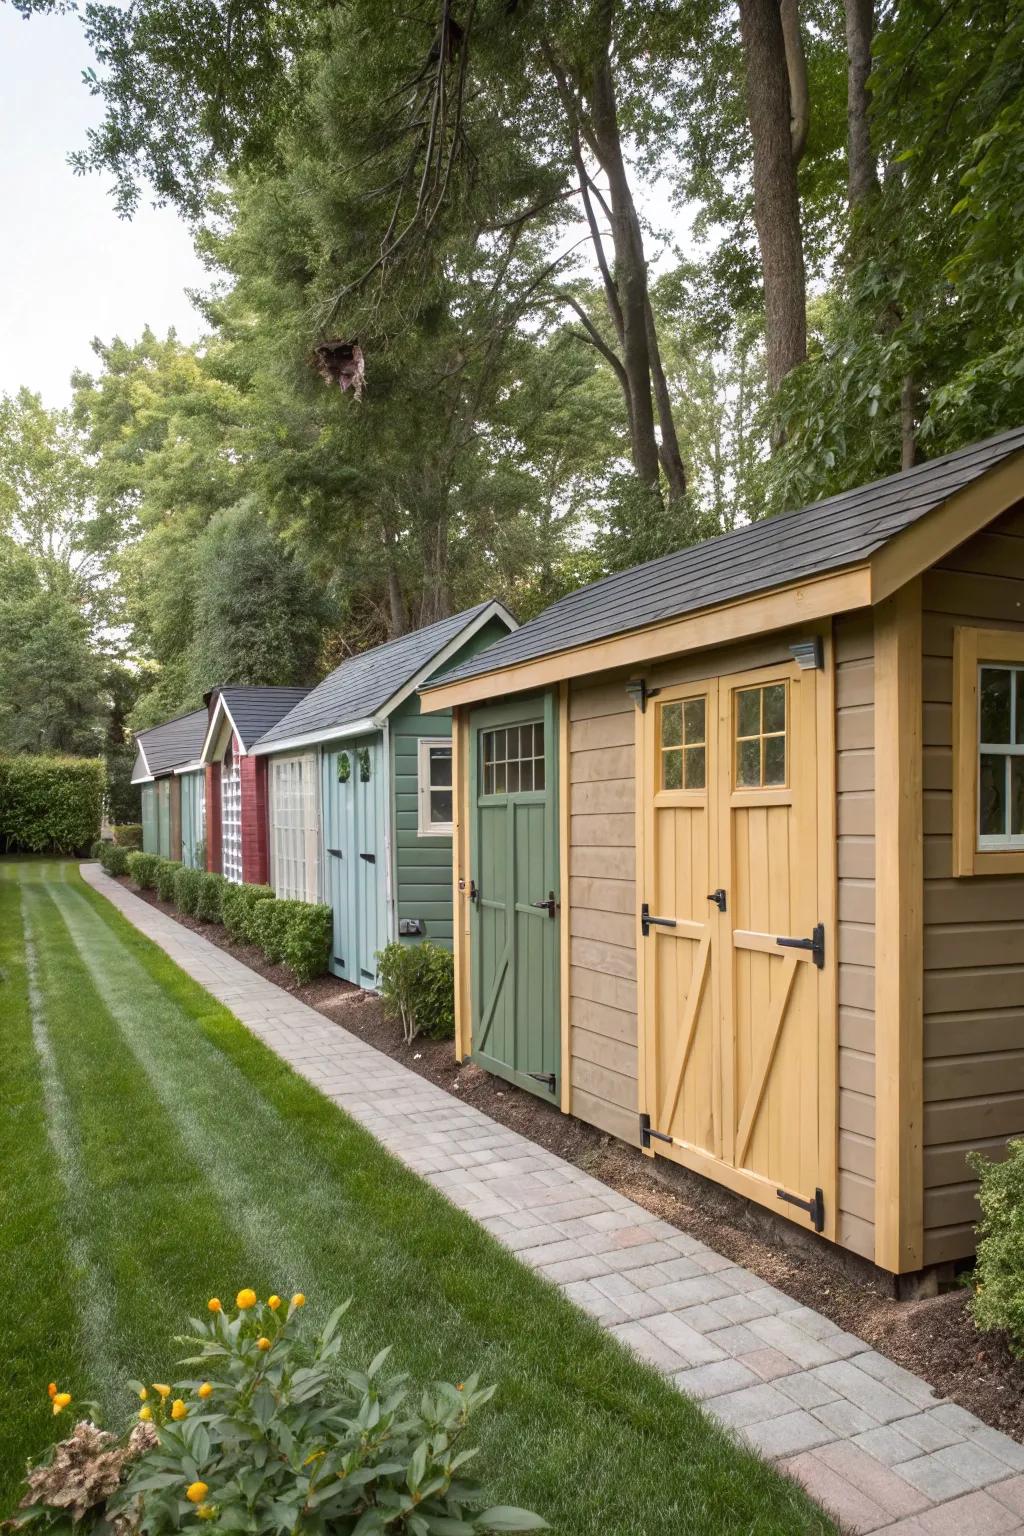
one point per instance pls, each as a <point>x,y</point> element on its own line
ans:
<point>870,1441</point>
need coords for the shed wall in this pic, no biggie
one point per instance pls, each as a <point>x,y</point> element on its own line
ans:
<point>974,926</point>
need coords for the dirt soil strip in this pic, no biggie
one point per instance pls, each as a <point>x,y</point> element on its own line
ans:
<point>935,1338</point>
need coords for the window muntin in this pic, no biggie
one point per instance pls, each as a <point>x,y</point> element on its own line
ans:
<point>1000,756</point>
<point>760,736</point>
<point>682,743</point>
<point>231,817</point>
<point>294,828</point>
<point>434,787</point>
<point>512,759</point>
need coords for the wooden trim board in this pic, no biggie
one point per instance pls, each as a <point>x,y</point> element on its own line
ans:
<point>564,909</point>
<point>460,885</point>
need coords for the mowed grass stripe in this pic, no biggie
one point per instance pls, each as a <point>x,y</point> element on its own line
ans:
<point>41,1334</point>
<point>579,1429</point>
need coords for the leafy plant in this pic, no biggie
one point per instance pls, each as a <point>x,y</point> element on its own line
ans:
<point>417,984</point>
<point>143,869</point>
<point>50,804</point>
<point>186,889</point>
<point>128,835</point>
<point>114,859</point>
<point>998,1299</point>
<point>208,902</point>
<point>306,941</point>
<point>96,851</point>
<point>237,907</point>
<point>165,873</point>
<point>269,924</point>
<point>272,1434</point>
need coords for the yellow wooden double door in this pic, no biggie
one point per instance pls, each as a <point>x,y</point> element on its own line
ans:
<point>739,1045</point>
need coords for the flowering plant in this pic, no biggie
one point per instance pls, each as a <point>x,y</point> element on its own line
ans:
<point>273,1435</point>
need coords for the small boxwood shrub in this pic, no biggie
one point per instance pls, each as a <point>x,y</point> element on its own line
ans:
<point>306,941</point>
<point>128,835</point>
<point>50,804</point>
<point>211,889</point>
<point>186,889</point>
<point>165,873</point>
<point>417,984</point>
<point>998,1300</point>
<point>269,922</point>
<point>143,867</point>
<point>237,908</point>
<point>96,851</point>
<point>114,859</point>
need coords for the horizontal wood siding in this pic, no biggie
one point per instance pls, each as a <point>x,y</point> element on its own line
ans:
<point>974,926</point>
<point>855,816</point>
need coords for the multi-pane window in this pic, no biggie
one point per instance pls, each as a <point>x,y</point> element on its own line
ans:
<point>435,788</point>
<point>683,744</point>
<point>231,817</point>
<point>1000,757</point>
<point>512,759</point>
<point>294,830</point>
<point>760,724</point>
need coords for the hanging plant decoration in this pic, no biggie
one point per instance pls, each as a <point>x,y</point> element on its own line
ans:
<point>364,765</point>
<point>344,768</point>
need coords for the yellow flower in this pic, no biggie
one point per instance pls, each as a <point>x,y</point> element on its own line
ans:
<point>214,1304</point>
<point>273,1302</point>
<point>205,1390</point>
<point>60,1401</point>
<point>163,1389</point>
<point>143,1394</point>
<point>263,1343</point>
<point>245,1299</point>
<point>52,1389</point>
<point>179,1410</point>
<point>146,1414</point>
<point>196,1492</point>
<point>298,1300</point>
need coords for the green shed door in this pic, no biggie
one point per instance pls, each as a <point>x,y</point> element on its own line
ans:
<point>513,922</point>
<point>354,814</point>
<point>150,843</point>
<point>163,817</point>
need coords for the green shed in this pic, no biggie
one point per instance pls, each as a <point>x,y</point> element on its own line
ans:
<point>170,777</point>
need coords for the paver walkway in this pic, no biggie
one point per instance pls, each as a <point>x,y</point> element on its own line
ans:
<point>871,1441</point>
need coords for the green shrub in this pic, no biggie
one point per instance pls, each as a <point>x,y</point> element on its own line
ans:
<point>237,908</point>
<point>998,1299</point>
<point>186,889</point>
<point>211,889</point>
<point>50,804</point>
<point>417,984</point>
<point>143,869</point>
<point>286,1437</point>
<point>269,923</point>
<point>129,835</point>
<point>96,851</point>
<point>114,859</point>
<point>306,943</point>
<point>165,873</point>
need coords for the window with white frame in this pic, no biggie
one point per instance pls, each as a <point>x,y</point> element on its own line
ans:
<point>231,817</point>
<point>294,828</point>
<point>1000,756</point>
<point>435,787</point>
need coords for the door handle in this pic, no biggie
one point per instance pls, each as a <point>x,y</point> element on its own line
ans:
<point>551,906</point>
<point>718,897</point>
<point>474,893</point>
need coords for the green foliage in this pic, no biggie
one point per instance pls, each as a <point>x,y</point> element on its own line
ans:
<point>998,1297</point>
<point>305,945</point>
<point>114,858</point>
<point>268,925</point>
<point>417,983</point>
<point>165,873</point>
<point>187,883</point>
<point>128,835</point>
<point>144,869</point>
<point>237,906</point>
<point>97,848</point>
<point>286,1439</point>
<point>50,804</point>
<point>124,799</point>
<point>211,892</point>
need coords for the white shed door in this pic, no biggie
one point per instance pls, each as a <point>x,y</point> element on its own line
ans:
<point>231,817</point>
<point>294,828</point>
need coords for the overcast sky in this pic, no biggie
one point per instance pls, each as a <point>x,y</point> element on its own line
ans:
<point>70,269</point>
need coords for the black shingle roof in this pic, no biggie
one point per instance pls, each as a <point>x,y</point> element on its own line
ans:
<point>170,745</point>
<point>363,684</point>
<point>843,530</point>
<point>257,710</point>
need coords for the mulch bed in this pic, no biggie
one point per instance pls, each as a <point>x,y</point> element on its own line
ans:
<point>935,1337</point>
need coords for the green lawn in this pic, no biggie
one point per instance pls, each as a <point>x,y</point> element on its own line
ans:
<point>155,1154</point>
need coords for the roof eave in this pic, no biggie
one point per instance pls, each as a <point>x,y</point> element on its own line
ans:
<point>212,730</point>
<point>264,748</point>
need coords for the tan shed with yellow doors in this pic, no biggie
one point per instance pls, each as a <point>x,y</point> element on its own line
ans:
<point>781,835</point>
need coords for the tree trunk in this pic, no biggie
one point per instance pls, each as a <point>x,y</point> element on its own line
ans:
<point>776,200</point>
<point>796,72</point>
<point>671,457</point>
<point>908,428</point>
<point>861,175</point>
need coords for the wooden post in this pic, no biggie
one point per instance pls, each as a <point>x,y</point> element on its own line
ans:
<point>460,885</point>
<point>899,935</point>
<point>564,911</point>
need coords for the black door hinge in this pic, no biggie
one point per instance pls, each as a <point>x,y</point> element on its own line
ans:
<point>815,1208</point>
<point>550,906</point>
<point>816,945</point>
<point>647,921</point>
<point>371,858</point>
<point>338,960</point>
<point>547,1078</point>
<point>335,853</point>
<point>474,893</point>
<point>646,1134</point>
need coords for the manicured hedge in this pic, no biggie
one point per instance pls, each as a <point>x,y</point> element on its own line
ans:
<point>293,933</point>
<point>208,902</point>
<point>186,889</point>
<point>417,984</point>
<point>50,804</point>
<point>165,873</point>
<point>143,868</point>
<point>114,859</point>
<point>237,907</point>
<point>128,835</point>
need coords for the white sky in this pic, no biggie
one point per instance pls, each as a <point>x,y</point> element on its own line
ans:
<point>70,269</point>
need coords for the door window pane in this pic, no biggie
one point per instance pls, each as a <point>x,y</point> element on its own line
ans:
<point>671,725</point>
<point>695,768</point>
<point>672,770</point>
<point>748,763</point>
<point>761,737</point>
<point>775,759</point>
<point>1017,796</point>
<point>748,712</point>
<point>682,732</point>
<point>992,795</point>
<point>994,694</point>
<point>512,759</point>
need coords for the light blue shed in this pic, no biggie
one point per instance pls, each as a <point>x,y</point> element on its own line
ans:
<point>170,777</point>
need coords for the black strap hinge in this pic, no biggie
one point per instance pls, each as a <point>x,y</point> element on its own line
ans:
<point>646,1134</point>
<point>547,1078</point>
<point>816,945</point>
<point>815,1208</point>
<point>371,858</point>
<point>647,921</point>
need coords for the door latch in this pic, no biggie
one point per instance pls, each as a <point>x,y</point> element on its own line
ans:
<point>647,921</point>
<point>816,945</point>
<point>718,897</point>
<point>547,1078</point>
<point>474,893</point>
<point>551,907</point>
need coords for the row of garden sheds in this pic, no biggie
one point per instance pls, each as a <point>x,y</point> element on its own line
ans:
<point>729,847</point>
